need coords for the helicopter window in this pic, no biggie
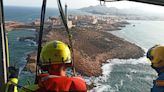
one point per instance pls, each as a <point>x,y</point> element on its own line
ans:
<point>109,40</point>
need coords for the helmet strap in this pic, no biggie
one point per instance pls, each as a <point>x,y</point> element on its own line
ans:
<point>49,61</point>
<point>63,61</point>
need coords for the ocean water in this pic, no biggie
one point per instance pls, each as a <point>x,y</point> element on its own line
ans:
<point>26,14</point>
<point>143,33</point>
<point>29,14</point>
<point>132,75</point>
<point>19,50</point>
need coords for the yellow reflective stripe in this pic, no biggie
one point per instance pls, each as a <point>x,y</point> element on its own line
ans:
<point>12,81</point>
<point>15,89</point>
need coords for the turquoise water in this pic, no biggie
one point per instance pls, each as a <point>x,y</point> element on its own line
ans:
<point>19,49</point>
<point>132,75</point>
<point>18,52</point>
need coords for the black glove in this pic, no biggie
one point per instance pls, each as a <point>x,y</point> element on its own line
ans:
<point>13,72</point>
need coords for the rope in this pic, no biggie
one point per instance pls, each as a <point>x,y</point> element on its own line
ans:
<point>68,32</point>
<point>40,36</point>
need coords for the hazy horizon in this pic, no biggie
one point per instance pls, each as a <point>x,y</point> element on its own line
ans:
<point>74,4</point>
<point>124,5</point>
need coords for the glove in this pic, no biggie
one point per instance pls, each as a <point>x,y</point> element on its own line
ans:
<point>13,72</point>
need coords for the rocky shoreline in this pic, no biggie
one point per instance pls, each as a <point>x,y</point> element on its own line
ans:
<point>12,25</point>
<point>93,44</point>
<point>92,48</point>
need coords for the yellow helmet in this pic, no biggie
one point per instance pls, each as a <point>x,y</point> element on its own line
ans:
<point>55,52</point>
<point>156,56</point>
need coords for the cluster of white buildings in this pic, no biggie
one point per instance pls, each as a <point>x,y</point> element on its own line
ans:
<point>79,21</point>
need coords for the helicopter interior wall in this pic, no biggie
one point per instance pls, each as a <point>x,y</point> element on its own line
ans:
<point>155,2</point>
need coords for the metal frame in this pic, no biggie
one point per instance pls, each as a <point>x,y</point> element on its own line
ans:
<point>3,51</point>
<point>155,2</point>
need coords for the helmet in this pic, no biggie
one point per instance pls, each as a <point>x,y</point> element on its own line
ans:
<point>55,52</point>
<point>156,56</point>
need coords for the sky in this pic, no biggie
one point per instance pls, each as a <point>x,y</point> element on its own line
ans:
<point>75,4</point>
<point>51,3</point>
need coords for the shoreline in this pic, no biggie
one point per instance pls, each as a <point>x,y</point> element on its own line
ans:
<point>88,64</point>
<point>92,45</point>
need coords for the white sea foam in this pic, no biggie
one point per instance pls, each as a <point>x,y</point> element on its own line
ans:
<point>31,29</point>
<point>108,68</point>
<point>23,62</point>
<point>142,60</point>
<point>129,76</point>
<point>31,42</point>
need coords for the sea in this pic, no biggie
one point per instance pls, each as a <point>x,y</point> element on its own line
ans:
<point>132,75</point>
<point>119,75</point>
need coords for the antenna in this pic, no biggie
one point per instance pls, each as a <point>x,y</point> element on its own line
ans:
<point>66,13</point>
<point>101,2</point>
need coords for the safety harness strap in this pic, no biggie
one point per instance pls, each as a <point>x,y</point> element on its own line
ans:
<point>68,32</point>
<point>40,36</point>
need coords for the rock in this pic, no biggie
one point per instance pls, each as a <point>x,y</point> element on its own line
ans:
<point>31,62</point>
<point>91,49</point>
<point>10,25</point>
<point>26,38</point>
